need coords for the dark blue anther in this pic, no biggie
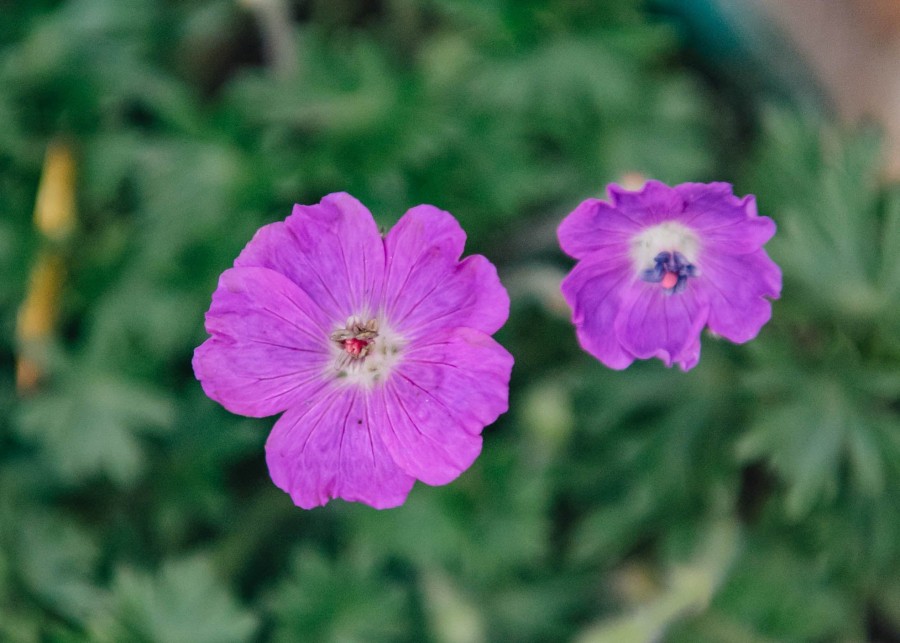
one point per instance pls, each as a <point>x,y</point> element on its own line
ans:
<point>670,262</point>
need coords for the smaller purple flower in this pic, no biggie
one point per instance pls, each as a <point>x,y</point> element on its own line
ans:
<point>657,265</point>
<point>377,349</point>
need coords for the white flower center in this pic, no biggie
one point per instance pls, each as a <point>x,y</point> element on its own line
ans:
<point>670,236</point>
<point>365,351</point>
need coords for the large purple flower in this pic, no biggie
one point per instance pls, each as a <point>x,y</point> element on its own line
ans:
<point>378,350</point>
<point>658,265</point>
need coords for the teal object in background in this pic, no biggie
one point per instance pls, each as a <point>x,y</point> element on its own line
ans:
<point>751,499</point>
<point>745,51</point>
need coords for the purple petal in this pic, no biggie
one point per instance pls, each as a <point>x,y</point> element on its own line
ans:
<point>690,356</point>
<point>737,287</point>
<point>333,251</point>
<point>654,203</point>
<point>596,225</point>
<point>592,291</point>
<point>330,447</point>
<point>725,222</point>
<point>425,440</point>
<point>465,372</point>
<point>435,406</point>
<point>652,323</point>
<point>269,344</point>
<point>428,289</point>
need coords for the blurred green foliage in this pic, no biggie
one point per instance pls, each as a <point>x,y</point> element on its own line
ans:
<point>752,499</point>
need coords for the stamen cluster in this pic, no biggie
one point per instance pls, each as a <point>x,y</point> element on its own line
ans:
<point>671,270</point>
<point>355,340</point>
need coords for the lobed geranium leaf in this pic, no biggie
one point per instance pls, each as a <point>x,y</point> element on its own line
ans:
<point>183,601</point>
<point>345,600</point>
<point>89,424</point>
<point>56,561</point>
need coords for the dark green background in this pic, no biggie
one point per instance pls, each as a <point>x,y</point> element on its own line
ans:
<point>752,499</point>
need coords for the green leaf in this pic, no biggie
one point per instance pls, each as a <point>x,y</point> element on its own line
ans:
<point>344,600</point>
<point>89,423</point>
<point>890,248</point>
<point>780,593</point>
<point>183,601</point>
<point>56,561</point>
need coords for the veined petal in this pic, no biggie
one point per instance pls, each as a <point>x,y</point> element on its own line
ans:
<point>725,222</point>
<point>333,251</point>
<point>428,289</point>
<point>714,200</point>
<point>330,447</point>
<point>690,356</point>
<point>593,292</point>
<point>654,203</point>
<point>268,347</point>
<point>596,226</point>
<point>737,287</point>
<point>652,323</point>
<point>465,372</point>
<point>424,439</point>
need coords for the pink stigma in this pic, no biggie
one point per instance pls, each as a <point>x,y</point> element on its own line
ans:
<point>354,346</point>
<point>669,280</point>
